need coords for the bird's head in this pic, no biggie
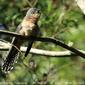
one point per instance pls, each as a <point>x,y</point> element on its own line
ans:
<point>33,14</point>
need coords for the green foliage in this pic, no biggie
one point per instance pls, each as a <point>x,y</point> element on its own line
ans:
<point>63,21</point>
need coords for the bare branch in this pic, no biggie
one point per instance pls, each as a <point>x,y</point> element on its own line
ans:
<point>5,47</point>
<point>50,40</point>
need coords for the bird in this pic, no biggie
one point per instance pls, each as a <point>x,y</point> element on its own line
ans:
<point>28,27</point>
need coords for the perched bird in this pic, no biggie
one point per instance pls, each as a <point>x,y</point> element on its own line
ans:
<point>28,27</point>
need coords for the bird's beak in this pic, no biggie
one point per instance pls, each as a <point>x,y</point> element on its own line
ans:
<point>36,15</point>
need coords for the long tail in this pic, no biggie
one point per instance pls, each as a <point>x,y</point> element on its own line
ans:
<point>29,47</point>
<point>12,55</point>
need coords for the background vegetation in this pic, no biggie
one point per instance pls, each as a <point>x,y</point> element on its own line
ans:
<point>60,19</point>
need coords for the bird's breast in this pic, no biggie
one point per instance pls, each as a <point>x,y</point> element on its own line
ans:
<point>28,29</point>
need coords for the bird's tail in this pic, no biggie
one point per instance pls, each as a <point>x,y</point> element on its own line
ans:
<point>12,56</point>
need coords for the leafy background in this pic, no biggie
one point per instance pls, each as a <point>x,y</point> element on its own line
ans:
<point>60,19</point>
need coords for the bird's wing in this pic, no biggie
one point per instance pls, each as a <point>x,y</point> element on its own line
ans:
<point>28,47</point>
<point>35,33</point>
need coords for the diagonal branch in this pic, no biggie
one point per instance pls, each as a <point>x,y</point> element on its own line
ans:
<point>56,42</point>
<point>4,47</point>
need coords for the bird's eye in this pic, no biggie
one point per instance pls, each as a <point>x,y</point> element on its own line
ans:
<point>33,12</point>
<point>38,11</point>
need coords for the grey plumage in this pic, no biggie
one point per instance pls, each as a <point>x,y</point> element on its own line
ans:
<point>28,27</point>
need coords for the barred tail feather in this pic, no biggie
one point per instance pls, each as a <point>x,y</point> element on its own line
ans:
<point>9,62</point>
<point>12,55</point>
